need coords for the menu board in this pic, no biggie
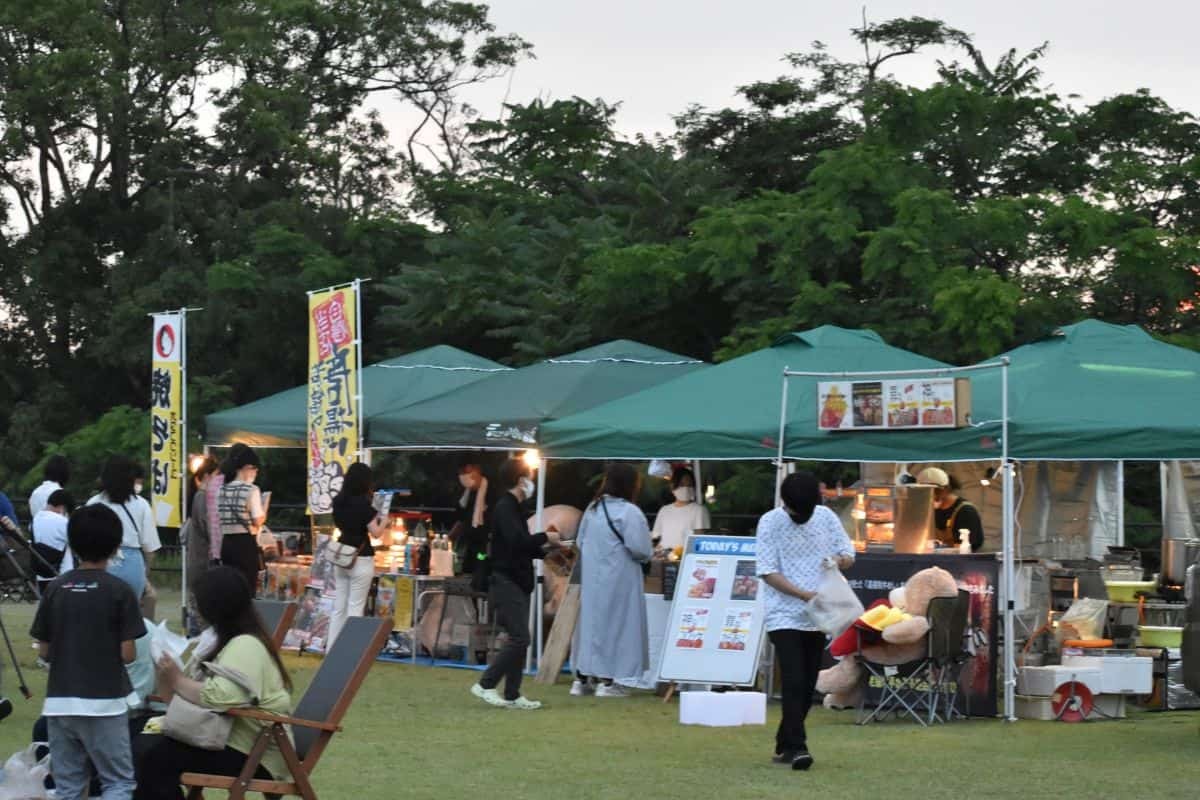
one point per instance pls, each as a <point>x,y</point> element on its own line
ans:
<point>715,630</point>
<point>894,404</point>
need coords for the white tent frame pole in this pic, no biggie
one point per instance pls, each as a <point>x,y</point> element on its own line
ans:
<point>1120,503</point>
<point>539,589</point>
<point>1010,666</point>
<point>1163,466</point>
<point>783,404</point>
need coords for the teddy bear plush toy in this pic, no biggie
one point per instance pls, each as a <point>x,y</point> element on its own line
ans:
<point>891,631</point>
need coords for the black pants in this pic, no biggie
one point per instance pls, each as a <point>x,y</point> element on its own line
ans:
<point>799,654</point>
<point>512,613</point>
<point>159,766</point>
<point>240,551</point>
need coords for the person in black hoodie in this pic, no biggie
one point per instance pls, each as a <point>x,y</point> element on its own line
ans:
<point>513,550</point>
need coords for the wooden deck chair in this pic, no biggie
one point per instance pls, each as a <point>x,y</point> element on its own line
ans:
<point>317,717</point>
<point>277,617</point>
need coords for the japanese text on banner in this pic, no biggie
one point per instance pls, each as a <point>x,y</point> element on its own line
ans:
<point>332,394</point>
<point>166,432</point>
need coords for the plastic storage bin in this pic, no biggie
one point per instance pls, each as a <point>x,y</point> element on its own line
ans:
<point>1042,681</point>
<point>1118,674</point>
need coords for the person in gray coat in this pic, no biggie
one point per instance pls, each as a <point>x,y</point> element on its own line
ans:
<point>611,638</point>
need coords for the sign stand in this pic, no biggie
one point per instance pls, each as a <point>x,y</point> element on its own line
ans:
<point>715,630</point>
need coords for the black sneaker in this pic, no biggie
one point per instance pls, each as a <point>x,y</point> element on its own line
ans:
<point>6,707</point>
<point>786,757</point>
<point>802,760</point>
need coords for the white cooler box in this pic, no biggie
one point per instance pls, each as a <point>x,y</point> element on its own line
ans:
<point>1118,674</point>
<point>722,709</point>
<point>1042,681</point>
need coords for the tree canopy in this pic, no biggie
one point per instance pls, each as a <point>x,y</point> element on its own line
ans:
<point>230,155</point>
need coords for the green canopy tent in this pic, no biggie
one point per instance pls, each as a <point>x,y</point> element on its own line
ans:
<point>729,411</point>
<point>1085,392</point>
<point>507,411</point>
<point>281,420</point>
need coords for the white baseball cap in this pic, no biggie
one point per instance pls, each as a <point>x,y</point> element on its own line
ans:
<point>932,476</point>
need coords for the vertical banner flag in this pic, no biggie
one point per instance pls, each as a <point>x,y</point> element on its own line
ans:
<point>332,393</point>
<point>166,418</point>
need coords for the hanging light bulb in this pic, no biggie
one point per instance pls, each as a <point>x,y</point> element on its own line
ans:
<point>532,459</point>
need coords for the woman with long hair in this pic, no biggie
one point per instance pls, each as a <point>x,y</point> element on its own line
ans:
<point>139,540</point>
<point>242,644</point>
<point>612,636</point>
<point>357,521</point>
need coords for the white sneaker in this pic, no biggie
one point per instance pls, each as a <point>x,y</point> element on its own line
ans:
<point>582,688</point>
<point>524,704</point>
<point>490,696</point>
<point>611,690</point>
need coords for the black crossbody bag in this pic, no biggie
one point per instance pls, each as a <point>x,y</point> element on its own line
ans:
<point>645,565</point>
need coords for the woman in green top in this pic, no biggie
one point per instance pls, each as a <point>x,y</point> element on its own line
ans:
<point>223,598</point>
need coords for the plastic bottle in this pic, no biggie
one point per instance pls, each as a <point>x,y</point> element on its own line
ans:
<point>964,541</point>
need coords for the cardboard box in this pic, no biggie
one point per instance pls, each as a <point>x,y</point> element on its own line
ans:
<point>722,709</point>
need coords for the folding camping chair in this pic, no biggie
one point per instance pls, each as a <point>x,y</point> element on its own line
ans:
<point>317,717</point>
<point>277,617</point>
<point>914,689</point>
<point>947,632</point>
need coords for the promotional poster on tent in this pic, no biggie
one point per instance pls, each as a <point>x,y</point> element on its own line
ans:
<point>332,393</point>
<point>874,577</point>
<point>166,415</point>
<point>715,627</point>
<point>915,403</point>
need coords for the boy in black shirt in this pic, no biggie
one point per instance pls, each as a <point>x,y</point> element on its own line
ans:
<point>85,627</point>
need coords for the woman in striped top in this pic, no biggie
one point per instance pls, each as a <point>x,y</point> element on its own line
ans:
<point>242,516</point>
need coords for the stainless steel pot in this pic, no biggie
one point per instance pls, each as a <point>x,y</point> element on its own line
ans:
<point>1177,556</point>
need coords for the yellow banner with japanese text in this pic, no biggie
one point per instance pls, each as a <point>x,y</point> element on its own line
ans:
<point>332,393</point>
<point>166,415</point>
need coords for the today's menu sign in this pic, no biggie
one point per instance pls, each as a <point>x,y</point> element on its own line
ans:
<point>893,404</point>
<point>715,631</point>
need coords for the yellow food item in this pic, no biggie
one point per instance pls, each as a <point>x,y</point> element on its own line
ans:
<point>875,615</point>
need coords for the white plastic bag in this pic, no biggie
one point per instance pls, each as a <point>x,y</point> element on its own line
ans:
<point>25,775</point>
<point>163,641</point>
<point>836,606</point>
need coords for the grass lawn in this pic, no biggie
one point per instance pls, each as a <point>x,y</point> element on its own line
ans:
<point>416,732</point>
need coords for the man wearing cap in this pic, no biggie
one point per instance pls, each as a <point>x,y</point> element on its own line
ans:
<point>792,543</point>
<point>951,513</point>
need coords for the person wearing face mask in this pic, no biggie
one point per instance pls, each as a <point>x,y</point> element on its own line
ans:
<point>675,521</point>
<point>513,550</point>
<point>792,544</point>
<point>470,532</point>
<point>951,513</point>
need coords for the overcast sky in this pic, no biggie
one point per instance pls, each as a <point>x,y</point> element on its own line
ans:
<point>657,56</point>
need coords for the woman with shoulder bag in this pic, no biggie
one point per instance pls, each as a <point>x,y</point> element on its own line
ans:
<point>352,555</point>
<point>139,539</point>
<point>244,651</point>
<point>612,636</point>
